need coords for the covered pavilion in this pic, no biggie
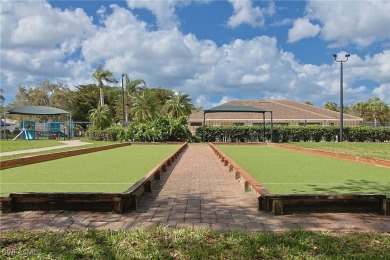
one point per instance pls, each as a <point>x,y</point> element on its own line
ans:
<point>39,110</point>
<point>230,108</point>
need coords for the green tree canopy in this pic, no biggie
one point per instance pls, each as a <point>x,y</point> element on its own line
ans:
<point>44,94</point>
<point>85,99</point>
<point>379,109</point>
<point>145,106</point>
<point>101,117</point>
<point>131,87</point>
<point>332,106</point>
<point>179,105</point>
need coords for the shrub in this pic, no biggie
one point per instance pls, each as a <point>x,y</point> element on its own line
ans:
<point>109,134</point>
<point>294,133</point>
<point>164,129</point>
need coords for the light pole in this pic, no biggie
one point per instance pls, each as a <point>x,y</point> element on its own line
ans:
<point>123,102</point>
<point>341,93</point>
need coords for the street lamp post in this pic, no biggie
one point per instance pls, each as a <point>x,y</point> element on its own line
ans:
<point>341,93</point>
<point>123,102</point>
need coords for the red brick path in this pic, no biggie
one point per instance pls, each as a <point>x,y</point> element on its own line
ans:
<point>197,191</point>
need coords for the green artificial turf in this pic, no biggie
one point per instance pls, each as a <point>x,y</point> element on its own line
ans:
<point>112,170</point>
<point>366,149</point>
<point>290,172</point>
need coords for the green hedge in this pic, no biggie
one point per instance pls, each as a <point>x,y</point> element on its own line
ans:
<point>109,134</point>
<point>294,133</point>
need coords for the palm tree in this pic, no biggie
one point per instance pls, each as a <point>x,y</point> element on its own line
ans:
<point>131,88</point>
<point>377,107</point>
<point>101,117</point>
<point>101,75</point>
<point>360,108</point>
<point>179,105</point>
<point>144,106</point>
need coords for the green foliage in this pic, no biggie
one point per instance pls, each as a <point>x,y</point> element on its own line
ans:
<point>44,94</point>
<point>85,99</point>
<point>179,105</point>
<point>373,109</point>
<point>294,133</point>
<point>102,135</point>
<point>101,117</point>
<point>109,134</point>
<point>145,106</point>
<point>163,129</point>
<point>331,106</point>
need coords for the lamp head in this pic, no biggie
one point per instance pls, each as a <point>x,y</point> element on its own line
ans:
<point>335,56</point>
<point>347,55</point>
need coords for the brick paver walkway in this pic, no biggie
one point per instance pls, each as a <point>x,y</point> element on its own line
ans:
<point>197,191</point>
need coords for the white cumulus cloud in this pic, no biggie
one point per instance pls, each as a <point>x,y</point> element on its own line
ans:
<point>245,13</point>
<point>351,22</point>
<point>165,57</point>
<point>302,28</point>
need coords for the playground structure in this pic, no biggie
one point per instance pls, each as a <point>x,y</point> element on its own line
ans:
<point>30,130</point>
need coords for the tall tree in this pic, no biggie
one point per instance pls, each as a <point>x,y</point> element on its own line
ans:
<point>131,87</point>
<point>44,94</point>
<point>102,75</point>
<point>378,109</point>
<point>179,105</point>
<point>331,106</point>
<point>145,108</point>
<point>360,109</point>
<point>162,95</point>
<point>85,99</point>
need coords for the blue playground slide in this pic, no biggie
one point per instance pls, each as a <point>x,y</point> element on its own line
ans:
<point>30,135</point>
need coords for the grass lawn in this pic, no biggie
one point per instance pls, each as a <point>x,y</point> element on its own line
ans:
<point>17,145</point>
<point>112,170</point>
<point>188,243</point>
<point>369,150</point>
<point>9,145</point>
<point>289,172</point>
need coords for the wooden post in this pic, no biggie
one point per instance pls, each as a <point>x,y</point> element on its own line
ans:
<point>6,204</point>
<point>117,204</point>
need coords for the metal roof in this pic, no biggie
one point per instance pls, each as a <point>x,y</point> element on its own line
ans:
<point>228,108</point>
<point>37,110</point>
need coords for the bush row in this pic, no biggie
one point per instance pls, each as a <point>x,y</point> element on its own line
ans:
<point>293,134</point>
<point>164,129</point>
<point>109,134</point>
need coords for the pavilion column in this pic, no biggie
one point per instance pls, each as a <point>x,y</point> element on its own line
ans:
<point>204,125</point>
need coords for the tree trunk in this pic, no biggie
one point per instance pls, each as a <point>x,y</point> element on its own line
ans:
<point>101,96</point>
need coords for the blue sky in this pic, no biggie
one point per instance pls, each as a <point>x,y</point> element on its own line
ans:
<point>215,51</point>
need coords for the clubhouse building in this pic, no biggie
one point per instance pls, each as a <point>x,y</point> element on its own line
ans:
<point>283,112</point>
